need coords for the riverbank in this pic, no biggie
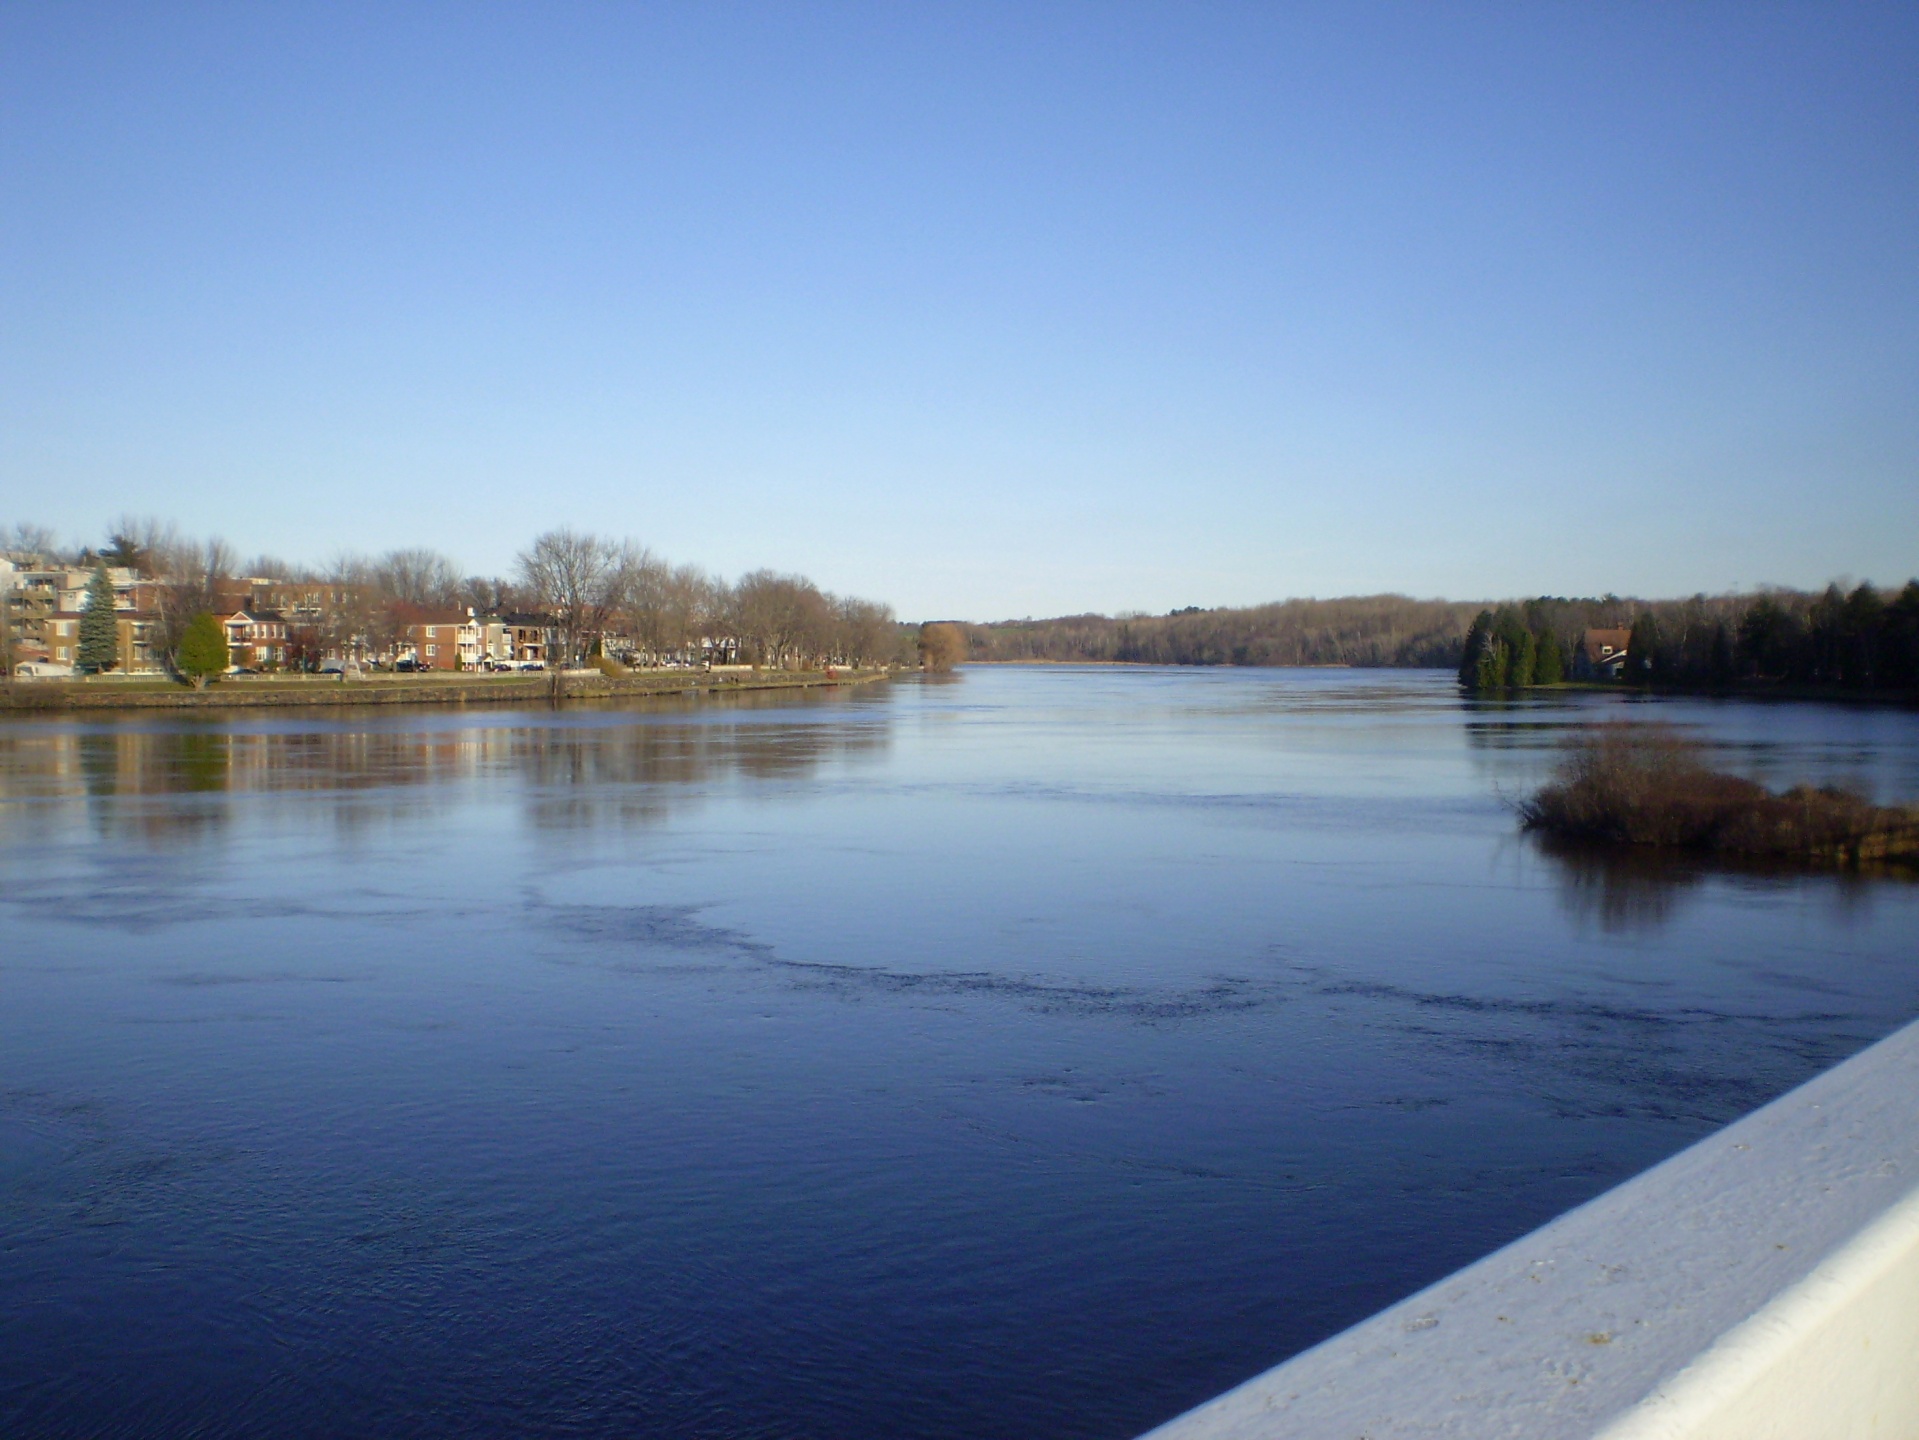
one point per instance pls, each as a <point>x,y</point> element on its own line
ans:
<point>110,693</point>
<point>1732,690</point>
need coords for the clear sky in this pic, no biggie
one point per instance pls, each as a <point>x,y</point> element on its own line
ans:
<point>986,310</point>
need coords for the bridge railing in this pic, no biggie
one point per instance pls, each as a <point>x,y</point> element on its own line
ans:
<point>1764,1282</point>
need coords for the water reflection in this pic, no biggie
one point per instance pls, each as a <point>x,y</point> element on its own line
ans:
<point>161,784</point>
<point>817,1065</point>
<point>1776,744</point>
<point>1638,890</point>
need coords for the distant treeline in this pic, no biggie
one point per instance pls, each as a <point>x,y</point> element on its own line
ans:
<point>1365,630</point>
<point>1865,640</point>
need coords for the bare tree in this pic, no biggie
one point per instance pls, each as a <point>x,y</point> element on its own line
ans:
<point>193,578</point>
<point>351,612</point>
<point>490,595</point>
<point>770,613</point>
<point>868,634</point>
<point>270,567</point>
<point>581,580</point>
<point>417,577</point>
<point>143,543</point>
<point>29,545</point>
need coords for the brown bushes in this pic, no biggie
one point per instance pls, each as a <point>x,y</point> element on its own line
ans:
<point>1649,785</point>
<point>942,645</point>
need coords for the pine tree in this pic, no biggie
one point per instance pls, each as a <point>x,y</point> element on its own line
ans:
<point>99,630</point>
<point>1902,637</point>
<point>1525,661</point>
<point>203,650</point>
<point>1515,643</point>
<point>1550,666</point>
<point>1642,651</point>
<point>1495,665</point>
<point>1476,639</point>
<point>1721,664</point>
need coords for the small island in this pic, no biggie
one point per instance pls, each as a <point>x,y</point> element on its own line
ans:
<point>1648,784</point>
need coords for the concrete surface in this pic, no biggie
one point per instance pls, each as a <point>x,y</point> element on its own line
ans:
<point>1764,1282</point>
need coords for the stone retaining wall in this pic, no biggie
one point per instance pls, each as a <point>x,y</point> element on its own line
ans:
<point>64,695</point>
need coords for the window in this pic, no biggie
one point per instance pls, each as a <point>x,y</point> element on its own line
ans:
<point>433,649</point>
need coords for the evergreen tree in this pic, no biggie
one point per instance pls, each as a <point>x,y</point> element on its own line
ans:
<point>1722,661</point>
<point>1550,667</point>
<point>1770,637</point>
<point>1825,638</point>
<point>203,650</point>
<point>1900,656</point>
<point>1516,647</point>
<point>1642,651</point>
<point>1495,665</point>
<point>1477,637</point>
<point>1525,661</point>
<point>99,630</point>
<point>1864,628</point>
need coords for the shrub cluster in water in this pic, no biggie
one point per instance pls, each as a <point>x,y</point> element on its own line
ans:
<point>1649,785</point>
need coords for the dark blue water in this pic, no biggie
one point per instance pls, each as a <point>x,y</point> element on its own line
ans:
<point>1030,1054</point>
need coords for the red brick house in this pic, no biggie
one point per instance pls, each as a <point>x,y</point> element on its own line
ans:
<point>255,638</point>
<point>438,639</point>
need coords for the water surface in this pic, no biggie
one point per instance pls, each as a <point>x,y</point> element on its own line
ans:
<point>1031,1053</point>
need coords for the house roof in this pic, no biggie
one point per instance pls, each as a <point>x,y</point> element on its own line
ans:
<point>408,614</point>
<point>1604,644</point>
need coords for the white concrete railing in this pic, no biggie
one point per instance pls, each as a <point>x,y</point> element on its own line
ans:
<point>1764,1282</point>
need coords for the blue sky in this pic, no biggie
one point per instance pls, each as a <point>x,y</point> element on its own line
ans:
<point>984,310</point>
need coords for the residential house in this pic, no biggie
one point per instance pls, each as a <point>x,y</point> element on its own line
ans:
<point>1601,655</point>
<point>527,638</point>
<point>42,609</point>
<point>256,638</point>
<point>439,638</point>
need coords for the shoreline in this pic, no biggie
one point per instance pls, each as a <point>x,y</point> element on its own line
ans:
<point>1737,690</point>
<point>43,697</point>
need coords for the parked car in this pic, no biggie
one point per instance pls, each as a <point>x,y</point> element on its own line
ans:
<point>42,670</point>
<point>406,667</point>
<point>332,667</point>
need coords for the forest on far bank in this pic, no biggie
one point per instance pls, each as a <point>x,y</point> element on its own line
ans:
<point>1866,638</point>
<point>1362,630</point>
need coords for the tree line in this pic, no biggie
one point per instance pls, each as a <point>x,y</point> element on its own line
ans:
<point>1370,630</point>
<point>1865,639</point>
<point>596,594</point>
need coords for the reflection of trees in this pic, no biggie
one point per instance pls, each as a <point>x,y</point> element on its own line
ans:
<point>582,778</point>
<point>1639,888</point>
<point>579,767</point>
<point>1623,888</point>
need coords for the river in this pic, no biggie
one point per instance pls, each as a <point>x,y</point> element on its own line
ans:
<point>1031,1052</point>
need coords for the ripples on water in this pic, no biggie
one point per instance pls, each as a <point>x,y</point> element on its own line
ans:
<point>1030,1054</point>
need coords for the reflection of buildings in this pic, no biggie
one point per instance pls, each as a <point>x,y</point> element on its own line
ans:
<point>147,781</point>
